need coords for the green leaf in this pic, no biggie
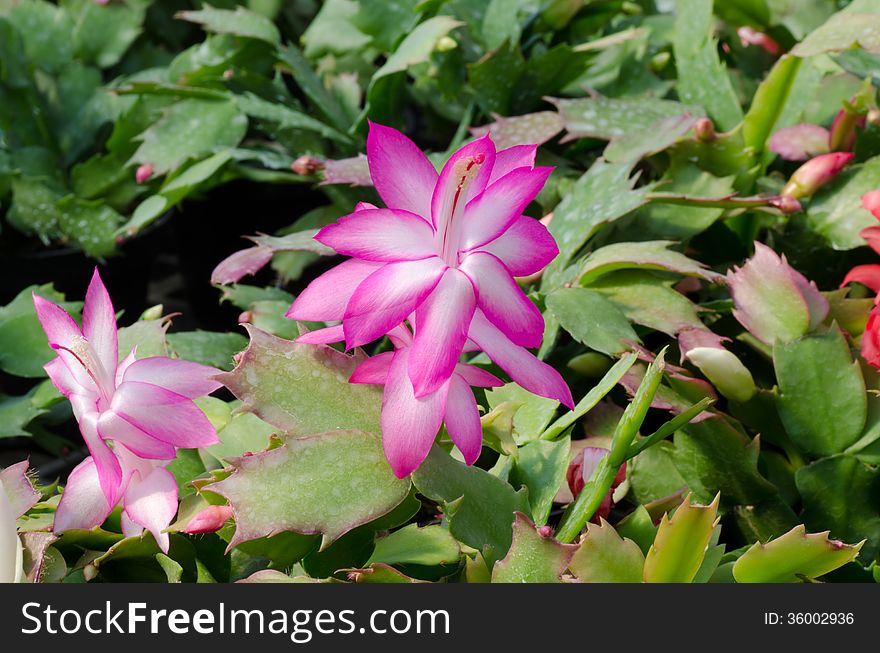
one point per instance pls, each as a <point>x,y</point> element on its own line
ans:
<point>90,224</point>
<point>478,506</point>
<point>386,22</point>
<point>592,319</point>
<point>533,414</point>
<point>769,103</point>
<point>102,34</point>
<point>638,144</point>
<point>327,483</point>
<point>603,194</point>
<point>856,26</point>
<point>302,389</point>
<point>333,31</point>
<point>541,466</point>
<point>612,118</point>
<point>171,568</point>
<point>605,557</point>
<point>836,211</point>
<point>652,475</point>
<point>822,400</point>
<point>190,128</point>
<point>46,31</point>
<point>702,78</point>
<point>649,300</point>
<point>412,545</point>
<point>680,545</point>
<point>16,413</point>
<point>647,255</point>
<point>244,433</point>
<point>240,22</point>
<point>532,558</point>
<point>23,345</point>
<point>313,86</point>
<point>33,210</point>
<point>286,117</point>
<point>793,557</point>
<point>639,527</point>
<point>207,347</point>
<point>842,494</point>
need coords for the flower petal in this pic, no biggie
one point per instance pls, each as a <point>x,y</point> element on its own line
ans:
<point>503,301</point>
<point>443,320</point>
<point>113,427</point>
<point>380,235</point>
<point>323,336</point>
<point>518,156</point>
<point>106,463</point>
<point>401,173</point>
<point>59,326</point>
<point>152,503</point>
<point>326,297</point>
<point>18,489</point>
<point>871,202</point>
<point>374,370</point>
<point>478,377</point>
<point>124,364</point>
<point>387,297</point>
<point>525,248</point>
<point>10,545</point>
<point>183,377</point>
<point>163,414</point>
<point>464,176</point>
<point>490,214</point>
<point>240,264</point>
<point>529,372</point>
<point>409,425</point>
<point>61,377</point>
<point>867,275</point>
<point>83,503</point>
<point>99,324</point>
<point>462,420</point>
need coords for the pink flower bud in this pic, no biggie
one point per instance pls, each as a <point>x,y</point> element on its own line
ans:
<point>786,204</point>
<point>815,173</point>
<point>843,130</point>
<point>545,531</point>
<point>306,166</point>
<point>143,173</point>
<point>704,129</point>
<point>581,469</point>
<point>749,36</point>
<point>871,202</point>
<point>209,520</point>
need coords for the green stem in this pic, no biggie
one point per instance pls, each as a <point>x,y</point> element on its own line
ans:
<point>580,512</point>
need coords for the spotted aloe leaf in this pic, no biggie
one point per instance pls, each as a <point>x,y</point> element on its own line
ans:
<point>603,556</point>
<point>302,389</point>
<point>327,483</point>
<point>680,545</point>
<point>793,557</point>
<point>533,558</point>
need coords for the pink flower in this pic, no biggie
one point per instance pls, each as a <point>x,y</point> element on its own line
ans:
<point>446,249</point>
<point>581,469</point>
<point>815,173</point>
<point>869,275</point>
<point>143,406</point>
<point>409,423</point>
<point>143,173</point>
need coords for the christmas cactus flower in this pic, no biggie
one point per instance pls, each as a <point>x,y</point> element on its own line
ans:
<point>142,406</point>
<point>869,275</point>
<point>445,247</point>
<point>409,423</point>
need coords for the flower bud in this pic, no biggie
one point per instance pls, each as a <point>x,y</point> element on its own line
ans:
<point>725,371</point>
<point>306,166</point>
<point>143,173</point>
<point>843,130</point>
<point>209,520</point>
<point>749,36</point>
<point>704,129</point>
<point>786,204</point>
<point>815,173</point>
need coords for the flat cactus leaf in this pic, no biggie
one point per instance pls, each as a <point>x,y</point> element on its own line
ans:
<point>793,557</point>
<point>680,545</point>
<point>327,483</point>
<point>533,558</point>
<point>603,556</point>
<point>302,389</point>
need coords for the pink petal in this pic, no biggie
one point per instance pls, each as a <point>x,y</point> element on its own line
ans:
<point>323,336</point>
<point>401,172</point>
<point>465,175</point>
<point>164,415</point>
<point>326,297</point>
<point>490,214</point>
<point>152,503</point>
<point>871,202</point>
<point>443,321</point>
<point>99,324</point>
<point>462,420</point>
<point>409,425</point>
<point>83,503</point>
<point>800,142</point>
<point>503,301</point>
<point>59,326</point>
<point>872,237</point>
<point>518,156</point>
<point>124,364</point>
<point>61,377</point>
<point>113,427</point>
<point>529,372</point>
<point>383,235</point>
<point>209,520</point>
<point>129,528</point>
<point>18,488</point>
<point>240,264</point>
<point>867,275</point>
<point>525,248</point>
<point>106,463</point>
<point>387,297</point>
<point>477,377</point>
<point>183,377</point>
<point>374,370</point>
